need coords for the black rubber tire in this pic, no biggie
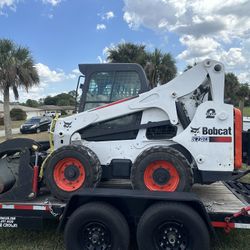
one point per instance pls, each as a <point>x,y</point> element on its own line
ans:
<point>97,212</point>
<point>168,154</point>
<point>87,157</point>
<point>190,221</point>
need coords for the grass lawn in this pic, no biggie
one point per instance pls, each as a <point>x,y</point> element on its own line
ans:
<point>246,111</point>
<point>12,239</point>
<point>50,240</point>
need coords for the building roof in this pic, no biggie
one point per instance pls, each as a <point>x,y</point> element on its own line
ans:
<point>24,108</point>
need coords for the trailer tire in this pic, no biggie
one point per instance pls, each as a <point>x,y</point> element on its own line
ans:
<point>172,226</point>
<point>161,169</point>
<point>101,223</point>
<point>71,168</point>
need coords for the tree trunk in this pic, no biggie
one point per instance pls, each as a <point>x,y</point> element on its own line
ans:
<point>6,107</point>
<point>241,105</point>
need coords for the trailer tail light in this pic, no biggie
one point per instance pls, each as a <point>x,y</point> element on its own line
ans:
<point>237,138</point>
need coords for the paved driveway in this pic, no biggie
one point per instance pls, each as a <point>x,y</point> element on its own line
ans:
<point>14,131</point>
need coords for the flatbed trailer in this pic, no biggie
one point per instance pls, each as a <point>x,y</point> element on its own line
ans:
<point>217,204</point>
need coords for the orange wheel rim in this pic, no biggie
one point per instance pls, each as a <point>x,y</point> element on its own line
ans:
<point>69,174</point>
<point>161,176</point>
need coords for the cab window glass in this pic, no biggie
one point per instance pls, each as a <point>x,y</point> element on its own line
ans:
<point>126,84</point>
<point>100,86</point>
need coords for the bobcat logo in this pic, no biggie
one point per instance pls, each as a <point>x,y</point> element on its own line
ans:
<point>195,130</point>
<point>67,124</point>
<point>210,113</point>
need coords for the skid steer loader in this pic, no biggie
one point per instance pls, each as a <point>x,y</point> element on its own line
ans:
<point>162,139</point>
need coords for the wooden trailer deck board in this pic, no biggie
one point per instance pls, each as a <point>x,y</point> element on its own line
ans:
<point>217,198</point>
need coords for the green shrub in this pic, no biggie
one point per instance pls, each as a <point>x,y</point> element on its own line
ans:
<point>63,112</point>
<point>17,114</point>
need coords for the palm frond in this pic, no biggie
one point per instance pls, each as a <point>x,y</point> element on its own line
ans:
<point>16,67</point>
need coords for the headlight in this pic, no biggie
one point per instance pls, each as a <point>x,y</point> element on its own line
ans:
<point>34,126</point>
<point>21,126</point>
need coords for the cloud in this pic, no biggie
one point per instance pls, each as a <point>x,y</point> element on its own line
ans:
<point>52,2</point>
<point>244,77</point>
<point>47,75</point>
<point>101,26</point>
<point>12,5</point>
<point>7,3</point>
<point>214,29</point>
<point>108,15</point>
<point>73,74</point>
<point>221,18</point>
<point>198,49</point>
<point>233,57</point>
<point>76,71</point>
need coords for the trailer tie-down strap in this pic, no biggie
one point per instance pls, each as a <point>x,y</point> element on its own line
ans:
<point>228,223</point>
<point>242,212</point>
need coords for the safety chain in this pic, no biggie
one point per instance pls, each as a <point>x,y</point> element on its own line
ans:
<point>51,208</point>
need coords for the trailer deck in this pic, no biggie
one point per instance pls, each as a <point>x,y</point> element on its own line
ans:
<point>217,198</point>
<point>219,201</point>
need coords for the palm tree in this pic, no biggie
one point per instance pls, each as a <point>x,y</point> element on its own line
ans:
<point>16,71</point>
<point>128,53</point>
<point>242,94</point>
<point>160,68</point>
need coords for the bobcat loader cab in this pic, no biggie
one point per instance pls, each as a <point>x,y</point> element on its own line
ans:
<point>106,83</point>
<point>163,139</point>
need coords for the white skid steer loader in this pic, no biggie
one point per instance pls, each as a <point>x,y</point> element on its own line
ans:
<point>162,139</point>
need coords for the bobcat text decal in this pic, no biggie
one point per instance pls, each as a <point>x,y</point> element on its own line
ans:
<point>205,133</point>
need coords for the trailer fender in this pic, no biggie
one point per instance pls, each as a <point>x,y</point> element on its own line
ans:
<point>132,203</point>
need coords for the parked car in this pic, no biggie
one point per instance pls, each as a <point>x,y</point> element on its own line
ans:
<point>36,125</point>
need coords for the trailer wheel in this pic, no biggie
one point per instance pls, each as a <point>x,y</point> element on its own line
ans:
<point>172,226</point>
<point>71,168</point>
<point>97,225</point>
<point>161,169</point>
